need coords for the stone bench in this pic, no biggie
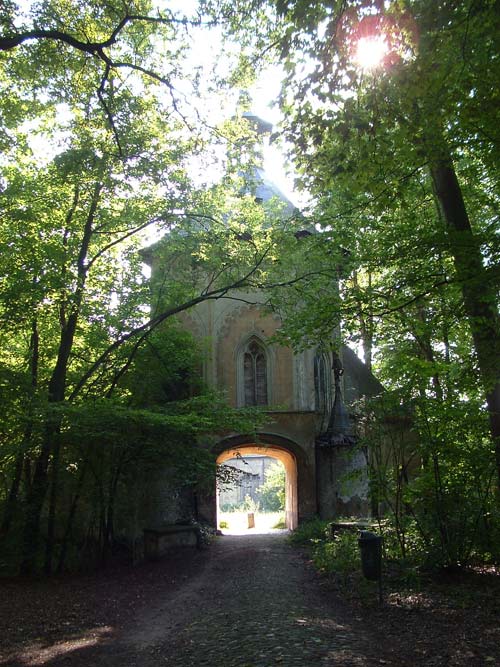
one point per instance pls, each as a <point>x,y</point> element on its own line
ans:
<point>336,527</point>
<point>161,540</point>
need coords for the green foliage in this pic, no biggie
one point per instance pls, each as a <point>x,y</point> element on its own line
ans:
<point>227,477</point>
<point>206,533</point>
<point>166,368</point>
<point>340,555</point>
<point>95,155</point>
<point>436,487</point>
<point>250,505</point>
<point>418,286</point>
<point>372,147</point>
<point>309,532</point>
<point>272,492</point>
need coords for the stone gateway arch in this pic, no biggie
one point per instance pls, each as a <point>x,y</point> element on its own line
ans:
<point>299,474</point>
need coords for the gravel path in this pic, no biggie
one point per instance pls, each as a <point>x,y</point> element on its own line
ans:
<point>257,605</point>
<point>248,601</point>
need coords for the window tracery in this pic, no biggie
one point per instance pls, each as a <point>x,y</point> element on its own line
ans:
<point>255,374</point>
<point>321,384</point>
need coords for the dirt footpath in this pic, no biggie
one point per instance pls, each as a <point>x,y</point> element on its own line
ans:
<point>248,601</point>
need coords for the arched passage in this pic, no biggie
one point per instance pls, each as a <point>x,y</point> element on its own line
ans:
<point>290,464</point>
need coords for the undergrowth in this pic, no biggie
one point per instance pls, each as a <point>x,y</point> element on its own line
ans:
<point>309,532</point>
<point>338,555</point>
<point>407,580</point>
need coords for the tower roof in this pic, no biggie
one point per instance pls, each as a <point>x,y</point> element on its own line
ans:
<point>259,182</point>
<point>261,126</point>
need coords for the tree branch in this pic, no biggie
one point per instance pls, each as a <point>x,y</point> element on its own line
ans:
<point>11,42</point>
<point>107,111</point>
<point>154,322</point>
<point>124,236</point>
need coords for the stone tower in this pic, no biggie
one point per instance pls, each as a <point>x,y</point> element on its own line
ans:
<point>311,431</point>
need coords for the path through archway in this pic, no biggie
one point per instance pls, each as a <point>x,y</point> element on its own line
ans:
<point>289,462</point>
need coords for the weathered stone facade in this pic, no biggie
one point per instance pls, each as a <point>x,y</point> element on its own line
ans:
<point>298,390</point>
<point>295,408</point>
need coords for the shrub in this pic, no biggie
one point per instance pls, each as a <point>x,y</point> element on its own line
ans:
<point>339,555</point>
<point>207,533</point>
<point>309,532</point>
<point>250,505</point>
<point>272,492</point>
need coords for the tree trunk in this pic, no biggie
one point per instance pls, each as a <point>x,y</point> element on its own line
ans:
<point>10,504</point>
<point>39,486</point>
<point>54,492</point>
<point>365,320</point>
<point>478,295</point>
<point>69,521</point>
<point>56,395</point>
<point>28,432</point>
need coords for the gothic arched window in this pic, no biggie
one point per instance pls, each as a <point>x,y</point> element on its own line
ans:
<point>320,383</point>
<point>255,374</point>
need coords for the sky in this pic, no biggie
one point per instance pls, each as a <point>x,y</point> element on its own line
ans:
<point>205,53</point>
<point>264,93</point>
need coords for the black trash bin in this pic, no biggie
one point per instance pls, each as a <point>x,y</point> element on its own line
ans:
<point>371,554</point>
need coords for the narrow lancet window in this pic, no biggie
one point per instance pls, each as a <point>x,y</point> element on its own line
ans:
<point>255,374</point>
<point>320,383</point>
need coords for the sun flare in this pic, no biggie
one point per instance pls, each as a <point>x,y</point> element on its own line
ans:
<point>371,51</point>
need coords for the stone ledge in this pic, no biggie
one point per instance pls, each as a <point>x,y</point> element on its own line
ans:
<point>162,539</point>
<point>336,527</point>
